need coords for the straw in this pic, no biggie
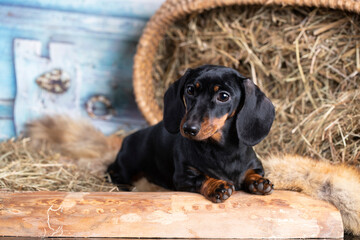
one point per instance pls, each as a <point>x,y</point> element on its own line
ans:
<point>305,59</point>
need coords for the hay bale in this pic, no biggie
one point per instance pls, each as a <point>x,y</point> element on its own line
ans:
<point>24,169</point>
<point>305,59</point>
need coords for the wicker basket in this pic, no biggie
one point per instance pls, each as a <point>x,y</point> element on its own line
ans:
<point>173,10</point>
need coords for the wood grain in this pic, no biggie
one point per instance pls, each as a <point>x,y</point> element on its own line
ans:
<point>117,8</point>
<point>167,215</point>
<point>103,37</point>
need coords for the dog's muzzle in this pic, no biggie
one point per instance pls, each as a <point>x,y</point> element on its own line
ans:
<point>191,129</point>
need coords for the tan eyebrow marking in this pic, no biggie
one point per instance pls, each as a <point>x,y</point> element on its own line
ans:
<point>232,114</point>
<point>197,85</point>
<point>216,88</point>
<point>184,102</point>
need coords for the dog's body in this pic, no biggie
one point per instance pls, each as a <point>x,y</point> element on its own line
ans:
<point>212,118</point>
<point>163,157</point>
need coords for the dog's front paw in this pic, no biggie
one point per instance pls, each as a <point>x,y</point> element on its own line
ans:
<point>261,186</point>
<point>216,190</point>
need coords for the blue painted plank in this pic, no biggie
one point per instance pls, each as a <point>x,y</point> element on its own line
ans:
<point>7,82</point>
<point>7,76</point>
<point>7,129</point>
<point>122,98</point>
<point>93,53</point>
<point>6,109</point>
<point>90,45</point>
<point>72,24</point>
<point>96,54</point>
<point>118,8</point>
<point>101,61</point>
<point>108,80</point>
<point>31,100</point>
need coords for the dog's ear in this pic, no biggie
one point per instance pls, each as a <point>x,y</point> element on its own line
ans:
<point>256,115</point>
<point>174,108</point>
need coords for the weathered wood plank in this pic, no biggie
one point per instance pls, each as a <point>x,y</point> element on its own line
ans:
<point>6,119</point>
<point>105,61</point>
<point>6,108</point>
<point>74,24</point>
<point>167,215</point>
<point>103,48</point>
<point>31,100</point>
<point>128,8</point>
<point>88,76</point>
<point>7,129</point>
<point>7,82</point>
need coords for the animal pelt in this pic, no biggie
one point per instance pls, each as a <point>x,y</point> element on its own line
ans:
<point>338,184</point>
<point>77,140</point>
<point>80,143</point>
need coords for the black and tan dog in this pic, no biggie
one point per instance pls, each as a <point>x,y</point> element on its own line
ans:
<point>219,119</point>
<point>212,117</point>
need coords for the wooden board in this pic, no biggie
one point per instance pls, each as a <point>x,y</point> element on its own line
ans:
<point>167,215</point>
<point>102,36</point>
<point>119,8</point>
<point>7,129</point>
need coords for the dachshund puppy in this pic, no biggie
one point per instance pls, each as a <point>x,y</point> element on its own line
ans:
<point>212,117</point>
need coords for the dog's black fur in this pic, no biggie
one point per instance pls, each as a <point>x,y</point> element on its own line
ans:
<point>212,117</point>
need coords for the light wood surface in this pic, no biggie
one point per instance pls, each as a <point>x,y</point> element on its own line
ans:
<point>282,214</point>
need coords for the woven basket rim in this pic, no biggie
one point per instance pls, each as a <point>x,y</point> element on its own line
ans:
<point>173,10</point>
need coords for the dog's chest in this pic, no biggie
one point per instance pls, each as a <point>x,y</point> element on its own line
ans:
<point>225,164</point>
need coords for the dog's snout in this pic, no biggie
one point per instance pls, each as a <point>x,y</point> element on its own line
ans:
<point>191,129</point>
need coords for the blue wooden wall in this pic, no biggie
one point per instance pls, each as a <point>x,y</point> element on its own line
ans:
<point>92,41</point>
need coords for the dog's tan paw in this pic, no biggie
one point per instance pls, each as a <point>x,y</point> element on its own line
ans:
<point>261,186</point>
<point>216,190</point>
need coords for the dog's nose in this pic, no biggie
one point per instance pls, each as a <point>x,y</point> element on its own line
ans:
<point>190,129</point>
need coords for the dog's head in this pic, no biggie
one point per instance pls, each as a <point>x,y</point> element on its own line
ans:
<point>200,103</point>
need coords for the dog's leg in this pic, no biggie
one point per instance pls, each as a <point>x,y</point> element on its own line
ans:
<point>119,175</point>
<point>213,189</point>
<point>129,162</point>
<point>216,190</point>
<point>256,184</point>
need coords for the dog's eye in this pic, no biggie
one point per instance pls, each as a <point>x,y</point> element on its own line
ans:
<point>223,97</point>
<point>190,90</point>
